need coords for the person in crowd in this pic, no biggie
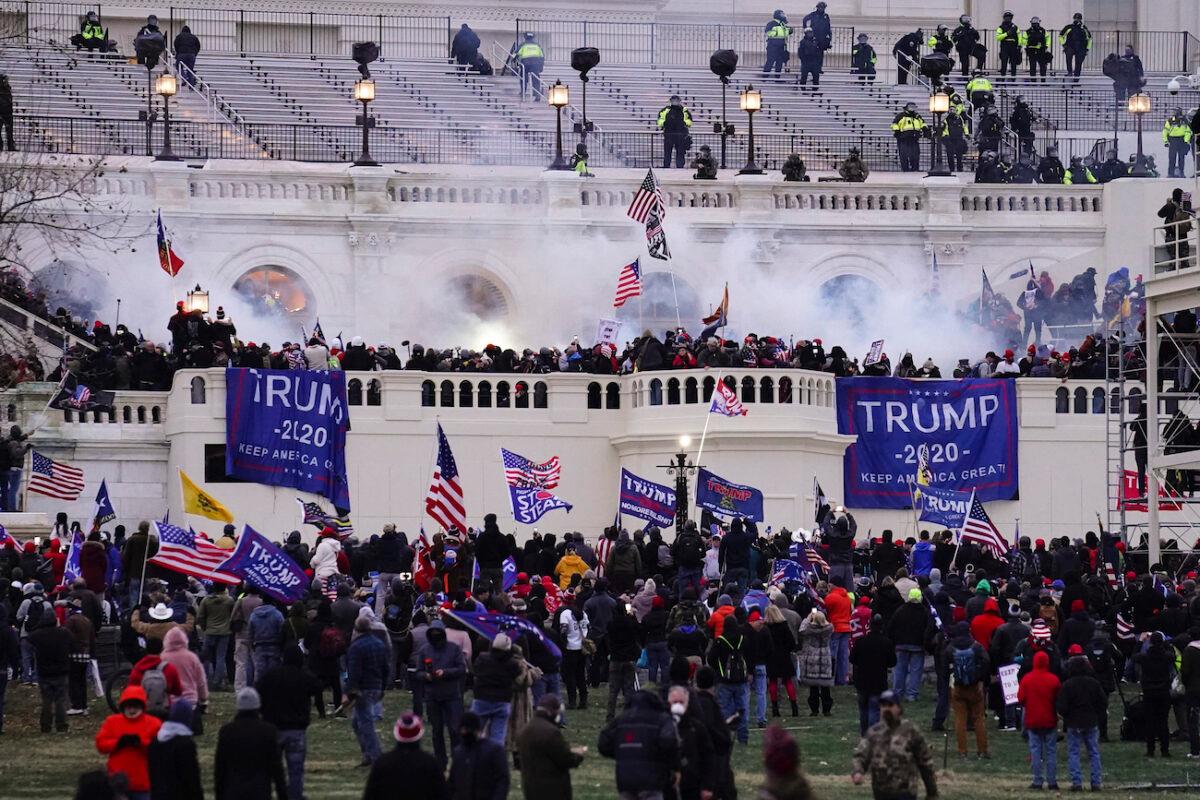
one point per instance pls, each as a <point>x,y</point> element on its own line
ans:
<point>479,770</point>
<point>172,763</point>
<point>125,738</point>
<point>546,758</point>
<point>906,630</point>
<point>496,672</point>
<point>1079,703</point>
<point>969,668</point>
<point>1157,666</point>
<point>895,755</point>
<point>407,765</point>
<point>52,645</point>
<point>158,678</point>
<point>1037,693</point>
<point>192,679</point>
<point>439,668</point>
<point>243,608</point>
<point>247,761</point>
<point>816,662</point>
<point>213,620</point>
<point>871,657</point>
<point>368,672</point>
<point>645,746</point>
<point>287,692</point>
<point>811,56</point>
<point>675,122</point>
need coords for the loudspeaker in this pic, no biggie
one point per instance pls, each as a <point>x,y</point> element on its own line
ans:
<point>364,53</point>
<point>584,59</point>
<point>723,63</point>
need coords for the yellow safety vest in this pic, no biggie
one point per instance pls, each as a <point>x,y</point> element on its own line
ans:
<point>530,50</point>
<point>91,31</point>
<point>1180,130</point>
<point>979,85</point>
<point>906,123</point>
<point>1033,43</point>
<point>662,116</point>
<point>1002,35</point>
<point>1090,178</point>
<point>778,31</point>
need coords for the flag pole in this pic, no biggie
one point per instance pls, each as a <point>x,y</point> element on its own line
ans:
<point>437,421</point>
<point>958,544</point>
<point>700,449</point>
<point>678,322</point>
<point>912,498</point>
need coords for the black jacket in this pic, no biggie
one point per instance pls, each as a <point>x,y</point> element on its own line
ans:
<point>53,646</point>
<point>492,548</point>
<point>644,744</point>
<point>248,762</point>
<point>706,704</point>
<point>287,692</point>
<point>175,770</point>
<point>186,44</point>
<point>909,46</point>
<point>872,656</point>
<point>696,761</point>
<point>479,771</point>
<point>622,637</point>
<point>408,766</point>
<point>907,626</point>
<point>495,674</point>
<point>1081,699</point>
<point>1157,664</point>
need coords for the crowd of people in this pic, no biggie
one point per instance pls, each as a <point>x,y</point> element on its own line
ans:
<point>712,626</point>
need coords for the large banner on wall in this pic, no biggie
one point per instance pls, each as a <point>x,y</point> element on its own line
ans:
<point>969,426</point>
<point>288,428</point>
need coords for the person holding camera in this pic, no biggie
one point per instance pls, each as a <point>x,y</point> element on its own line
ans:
<point>675,122</point>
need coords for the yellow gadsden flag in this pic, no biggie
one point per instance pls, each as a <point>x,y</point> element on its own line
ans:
<point>197,501</point>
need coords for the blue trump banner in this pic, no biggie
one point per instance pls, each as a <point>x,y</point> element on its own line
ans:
<point>647,500</point>
<point>529,505</point>
<point>969,426</point>
<point>488,625</point>
<point>262,564</point>
<point>509,570</point>
<point>288,428</point>
<point>728,499</point>
<point>944,506</point>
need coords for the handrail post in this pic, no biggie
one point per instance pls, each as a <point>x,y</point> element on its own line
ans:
<point>312,48</point>
<point>1185,36</point>
<point>242,32</point>
<point>380,39</point>
<point>653,44</point>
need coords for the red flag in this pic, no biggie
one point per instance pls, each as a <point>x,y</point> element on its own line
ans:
<point>423,573</point>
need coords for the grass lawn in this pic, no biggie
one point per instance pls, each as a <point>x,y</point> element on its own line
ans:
<point>36,766</point>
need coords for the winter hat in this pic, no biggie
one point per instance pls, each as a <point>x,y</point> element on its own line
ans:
<point>983,587</point>
<point>706,678</point>
<point>248,700</point>
<point>724,600</point>
<point>781,754</point>
<point>502,643</point>
<point>1075,650</point>
<point>754,616</point>
<point>1040,630</point>
<point>181,712</point>
<point>1077,605</point>
<point>409,729</point>
<point>915,596</point>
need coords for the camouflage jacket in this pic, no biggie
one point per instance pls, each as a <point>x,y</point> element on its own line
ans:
<point>895,758</point>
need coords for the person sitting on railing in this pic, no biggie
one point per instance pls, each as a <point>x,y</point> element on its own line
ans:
<point>1111,168</point>
<point>92,35</point>
<point>1050,168</point>
<point>187,47</point>
<point>532,59</point>
<point>862,60</point>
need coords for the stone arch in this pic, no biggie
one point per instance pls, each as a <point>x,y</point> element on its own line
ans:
<point>319,280</point>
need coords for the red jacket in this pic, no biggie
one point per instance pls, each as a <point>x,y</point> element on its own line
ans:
<point>1037,692</point>
<point>716,622</point>
<point>149,662</point>
<point>984,625</point>
<point>837,609</point>
<point>130,759</point>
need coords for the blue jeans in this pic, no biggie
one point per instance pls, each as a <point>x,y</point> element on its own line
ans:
<point>660,662</point>
<point>28,662</point>
<point>549,683</point>
<point>760,692</point>
<point>13,499</point>
<point>444,716</point>
<point>362,720</point>
<point>1043,750</point>
<point>1077,737</point>
<point>839,650</point>
<point>494,715</point>
<point>906,677</point>
<point>213,653</point>
<point>265,658</point>
<point>868,711</point>
<point>734,698</point>
<point>294,745</point>
<point>685,578</point>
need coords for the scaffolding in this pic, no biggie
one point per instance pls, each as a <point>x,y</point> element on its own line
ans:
<point>1152,385</point>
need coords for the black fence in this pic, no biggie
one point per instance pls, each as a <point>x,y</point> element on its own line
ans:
<point>1160,51</point>
<point>411,145</point>
<point>1071,108</point>
<point>243,31</point>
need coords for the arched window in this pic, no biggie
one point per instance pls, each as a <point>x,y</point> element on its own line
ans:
<point>276,292</point>
<point>503,399</point>
<point>612,395</point>
<point>656,392</point>
<point>1097,401</point>
<point>198,392</point>
<point>485,394</point>
<point>1081,401</point>
<point>11,412</point>
<point>1114,401</point>
<point>1062,400</point>
<point>141,412</point>
<point>691,392</point>
<point>375,392</point>
<point>673,392</point>
<point>766,392</point>
<point>126,414</point>
<point>709,384</point>
<point>427,393</point>
<point>447,398</point>
<point>747,389</point>
<point>593,397</point>
<point>1134,401</point>
<point>466,394</point>
<point>522,392</point>
<point>785,390</point>
<point>540,398</point>
<point>354,392</point>
<point>155,415</point>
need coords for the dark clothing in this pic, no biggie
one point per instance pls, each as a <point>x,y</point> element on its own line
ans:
<point>174,769</point>
<point>368,664</point>
<point>546,760</point>
<point>1082,701</point>
<point>479,771</point>
<point>408,766</point>
<point>465,47</point>
<point>872,656</point>
<point>53,648</point>
<point>495,674</point>
<point>287,692</point>
<point>644,744</point>
<point>186,44</point>
<point>248,761</point>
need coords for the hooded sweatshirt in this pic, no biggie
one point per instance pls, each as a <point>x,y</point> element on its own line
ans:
<point>129,759</point>
<point>187,664</point>
<point>1038,692</point>
<point>984,625</point>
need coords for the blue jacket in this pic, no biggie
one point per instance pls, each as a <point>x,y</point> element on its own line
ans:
<point>367,664</point>
<point>265,626</point>
<point>922,559</point>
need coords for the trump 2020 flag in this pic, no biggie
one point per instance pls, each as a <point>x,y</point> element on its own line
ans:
<point>529,504</point>
<point>509,570</point>
<point>488,625</point>
<point>786,570</point>
<point>944,507</point>
<point>262,564</point>
<point>725,402</point>
<point>71,570</point>
<point>646,500</point>
<point>105,513</point>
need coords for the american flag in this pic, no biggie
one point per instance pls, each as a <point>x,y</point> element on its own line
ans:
<point>330,588</point>
<point>725,401</point>
<point>1124,629</point>
<point>629,283</point>
<point>295,359</point>
<point>787,570</point>
<point>444,502</point>
<point>603,548</point>
<point>520,471</point>
<point>656,237</point>
<point>1110,575</point>
<point>979,528</point>
<point>649,198</point>
<point>53,479</point>
<point>814,558</point>
<point>313,513</point>
<point>183,551</point>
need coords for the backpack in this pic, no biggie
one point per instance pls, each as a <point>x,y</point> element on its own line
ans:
<point>691,552</point>
<point>1133,724</point>
<point>154,684</point>
<point>332,643</point>
<point>965,667</point>
<point>735,668</point>
<point>33,614</point>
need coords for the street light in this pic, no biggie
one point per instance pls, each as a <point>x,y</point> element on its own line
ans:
<point>558,96</point>
<point>681,468</point>
<point>364,92</point>
<point>750,101</point>
<point>197,300</point>
<point>583,60</point>
<point>1139,106</point>
<point>939,104</point>
<point>166,87</point>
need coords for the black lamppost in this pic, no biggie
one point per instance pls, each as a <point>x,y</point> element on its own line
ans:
<point>364,92</point>
<point>583,59</point>
<point>939,105</point>
<point>723,63</point>
<point>681,468</point>
<point>750,101</point>
<point>1139,106</point>
<point>558,96</point>
<point>166,87</point>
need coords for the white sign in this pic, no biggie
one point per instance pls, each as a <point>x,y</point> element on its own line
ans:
<point>1008,682</point>
<point>608,331</point>
<point>876,353</point>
